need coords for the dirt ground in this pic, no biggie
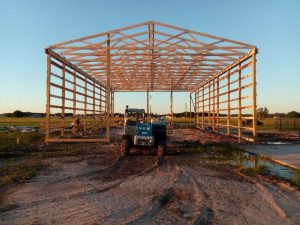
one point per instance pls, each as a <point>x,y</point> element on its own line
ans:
<point>101,188</point>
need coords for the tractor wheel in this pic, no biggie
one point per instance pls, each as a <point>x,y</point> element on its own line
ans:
<point>125,147</point>
<point>161,148</point>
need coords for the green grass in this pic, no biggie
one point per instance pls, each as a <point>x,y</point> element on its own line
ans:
<point>15,172</point>
<point>260,169</point>
<point>10,121</point>
<point>287,124</point>
<point>8,140</point>
<point>296,180</point>
<point>20,162</point>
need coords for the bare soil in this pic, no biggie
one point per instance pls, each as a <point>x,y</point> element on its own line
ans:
<point>98,187</point>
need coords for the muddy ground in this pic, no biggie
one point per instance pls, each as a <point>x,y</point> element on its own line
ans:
<point>98,187</point>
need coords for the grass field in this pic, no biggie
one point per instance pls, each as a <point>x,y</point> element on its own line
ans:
<point>10,121</point>
<point>268,123</point>
<point>21,160</point>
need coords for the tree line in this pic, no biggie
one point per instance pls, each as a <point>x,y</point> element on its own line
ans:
<point>262,113</point>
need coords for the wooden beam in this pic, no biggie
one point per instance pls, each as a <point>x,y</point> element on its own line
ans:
<point>48,96</point>
<point>228,103</point>
<point>171,108</point>
<point>240,104</point>
<point>69,64</point>
<point>108,89</point>
<point>254,123</point>
<point>63,100</point>
<point>99,34</point>
<point>74,140</point>
<point>74,105</point>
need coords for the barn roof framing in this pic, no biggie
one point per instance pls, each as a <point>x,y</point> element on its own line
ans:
<point>152,56</point>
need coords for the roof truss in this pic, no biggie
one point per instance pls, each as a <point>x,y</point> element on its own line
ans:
<point>152,56</point>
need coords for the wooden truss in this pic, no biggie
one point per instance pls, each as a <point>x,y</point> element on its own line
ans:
<point>149,56</point>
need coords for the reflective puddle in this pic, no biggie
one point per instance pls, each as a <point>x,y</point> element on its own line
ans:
<point>246,162</point>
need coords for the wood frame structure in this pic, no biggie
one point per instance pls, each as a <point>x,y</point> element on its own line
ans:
<point>227,102</point>
<point>149,57</point>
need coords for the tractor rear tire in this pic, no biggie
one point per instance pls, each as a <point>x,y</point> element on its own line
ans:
<point>161,148</point>
<point>125,150</point>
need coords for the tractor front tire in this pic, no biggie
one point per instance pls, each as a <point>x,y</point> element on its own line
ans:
<point>125,147</point>
<point>161,148</point>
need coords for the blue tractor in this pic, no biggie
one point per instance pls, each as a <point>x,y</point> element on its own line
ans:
<point>140,133</point>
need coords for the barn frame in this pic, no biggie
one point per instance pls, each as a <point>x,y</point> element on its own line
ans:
<point>83,74</point>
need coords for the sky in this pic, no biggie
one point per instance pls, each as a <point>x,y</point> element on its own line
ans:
<point>27,27</point>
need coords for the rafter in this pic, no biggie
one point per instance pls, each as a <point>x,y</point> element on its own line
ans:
<point>150,55</point>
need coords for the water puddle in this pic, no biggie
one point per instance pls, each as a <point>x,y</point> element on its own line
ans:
<point>277,143</point>
<point>247,162</point>
<point>23,129</point>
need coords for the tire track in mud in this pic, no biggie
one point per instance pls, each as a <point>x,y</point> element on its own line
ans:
<point>254,197</point>
<point>268,197</point>
<point>144,190</point>
<point>164,176</point>
<point>185,202</point>
<point>206,213</point>
<point>156,169</point>
<point>28,207</point>
<point>88,175</point>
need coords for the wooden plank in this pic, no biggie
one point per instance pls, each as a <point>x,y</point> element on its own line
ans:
<point>204,35</point>
<point>63,100</point>
<point>85,104</point>
<point>69,140</point>
<point>254,123</point>
<point>240,104</point>
<point>240,60</point>
<point>74,129</point>
<point>228,103</point>
<point>69,64</point>
<point>108,88</point>
<point>48,96</point>
<point>99,34</point>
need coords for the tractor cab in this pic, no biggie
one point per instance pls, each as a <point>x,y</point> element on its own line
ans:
<point>134,116</point>
<point>140,133</point>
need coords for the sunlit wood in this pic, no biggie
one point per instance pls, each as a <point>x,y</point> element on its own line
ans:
<point>154,57</point>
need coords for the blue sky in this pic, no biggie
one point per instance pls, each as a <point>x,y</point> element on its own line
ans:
<point>27,27</point>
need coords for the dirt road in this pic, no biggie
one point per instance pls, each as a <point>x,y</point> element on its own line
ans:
<point>101,188</point>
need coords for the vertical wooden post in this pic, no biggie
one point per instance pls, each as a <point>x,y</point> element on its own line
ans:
<point>228,102</point>
<point>218,103</point>
<point>74,104</point>
<point>171,108</point>
<point>202,108</point>
<point>63,100</point>
<point>151,44</point>
<point>148,113</point>
<point>209,103</point>
<point>190,109</point>
<point>100,104</point>
<point>48,96</point>
<point>108,74</point>
<point>113,104</point>
<point>254,95</point>
<point>196,108</point>
<point>214,105</point>
<point>240,104</point>
<point>150,102</point>
<point>85,103</point>
<point>94,102</point>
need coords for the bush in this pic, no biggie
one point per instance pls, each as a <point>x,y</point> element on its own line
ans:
<point>293,114</point>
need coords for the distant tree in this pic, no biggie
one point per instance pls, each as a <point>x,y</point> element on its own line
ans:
<point>262,113</point>
<point>293,114</point>
<point>279,115</point>
<point>17,114</point>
